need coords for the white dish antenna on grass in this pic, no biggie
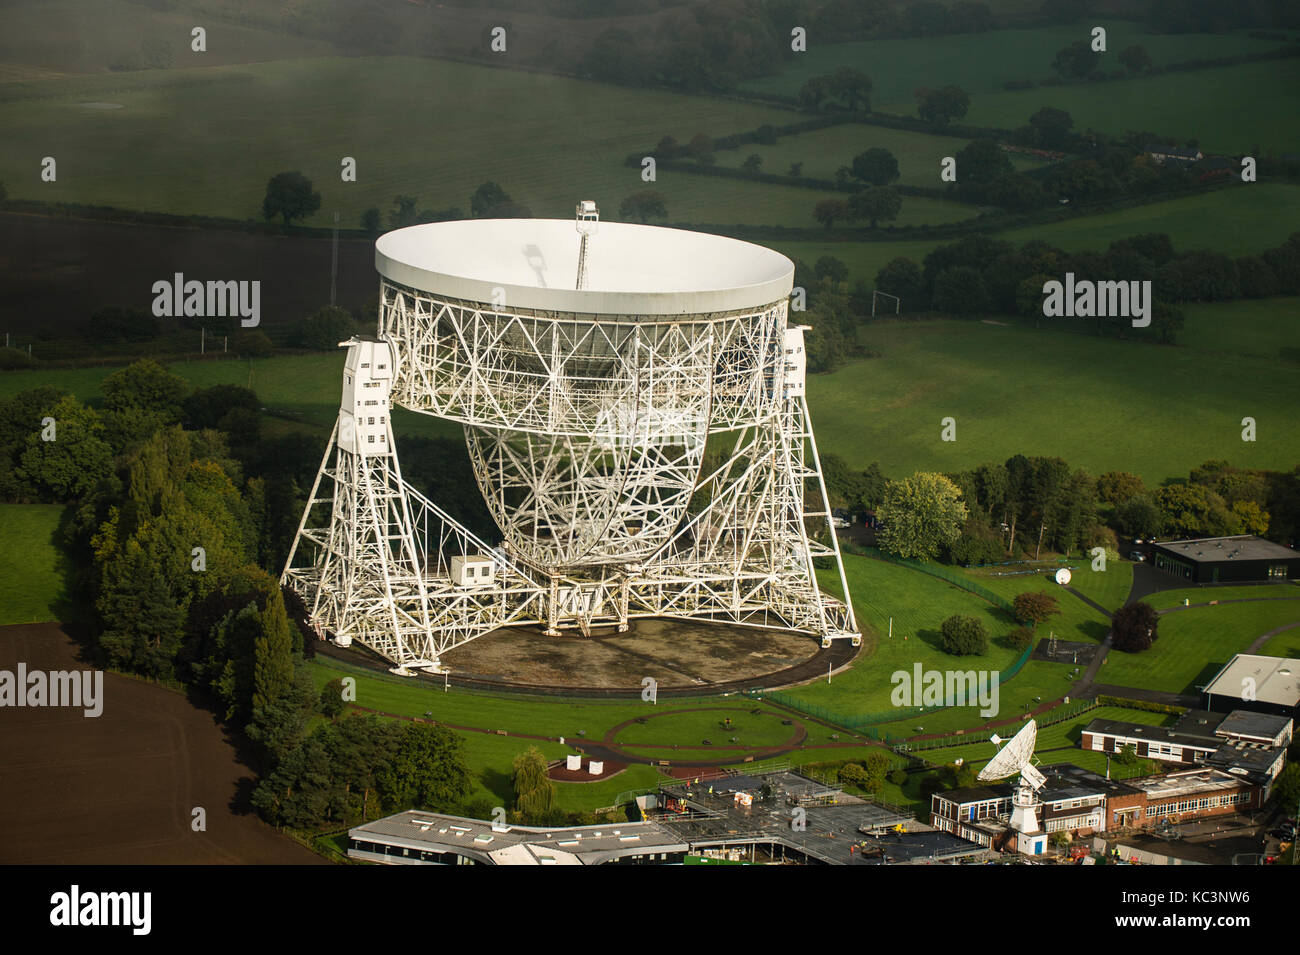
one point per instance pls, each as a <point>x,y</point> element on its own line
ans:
<point>1063,576</point>
<point>1016,758</point>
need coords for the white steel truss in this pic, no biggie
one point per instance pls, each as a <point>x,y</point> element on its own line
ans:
<point>587,437</point>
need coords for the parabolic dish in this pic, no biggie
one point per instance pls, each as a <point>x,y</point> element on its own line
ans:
<point>1013,757</point>
<point>632,269</point>
<point>1063,576</point>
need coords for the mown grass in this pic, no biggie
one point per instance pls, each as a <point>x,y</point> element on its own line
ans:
<point>1193,645</point>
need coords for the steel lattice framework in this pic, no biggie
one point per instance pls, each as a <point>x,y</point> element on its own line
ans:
<point>587,433</point>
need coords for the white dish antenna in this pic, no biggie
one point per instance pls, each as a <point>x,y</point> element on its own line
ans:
<point>1014,757</point>
<point>1063,576</point>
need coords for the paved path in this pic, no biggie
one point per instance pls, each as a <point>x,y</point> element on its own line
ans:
<point>1189,700</point>
<point>1259,641</point>
<point>1091,603</point>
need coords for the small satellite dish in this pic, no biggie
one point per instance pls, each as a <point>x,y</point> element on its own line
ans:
<point>1063,576</point>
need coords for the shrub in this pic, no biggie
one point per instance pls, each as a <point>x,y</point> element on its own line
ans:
<point>1035,607</point>
<point>963,636</point>
<point>1020,638</point>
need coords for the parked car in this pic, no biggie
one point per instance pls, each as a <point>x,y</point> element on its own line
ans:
<point>1136,555</point>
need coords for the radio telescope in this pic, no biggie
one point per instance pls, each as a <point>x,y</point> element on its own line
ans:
<point>1015,758</point>
<point>586,406</point>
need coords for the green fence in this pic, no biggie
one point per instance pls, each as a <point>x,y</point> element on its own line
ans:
<point>954,577</point>
<point>870,723</point>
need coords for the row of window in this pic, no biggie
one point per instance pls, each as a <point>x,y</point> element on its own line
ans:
<point>1203,802</point>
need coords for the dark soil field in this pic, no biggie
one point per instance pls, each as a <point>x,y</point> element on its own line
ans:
<point>54,272</point>
<point>120,788</point>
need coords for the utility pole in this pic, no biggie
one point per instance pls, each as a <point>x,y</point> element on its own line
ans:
<point>1041,528</point>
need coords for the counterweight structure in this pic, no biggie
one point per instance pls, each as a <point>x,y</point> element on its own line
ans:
<point>587,412</point>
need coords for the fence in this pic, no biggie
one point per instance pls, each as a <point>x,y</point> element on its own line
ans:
<point>1058,714</point>
<point>954,577</point>
<point>870,723</point>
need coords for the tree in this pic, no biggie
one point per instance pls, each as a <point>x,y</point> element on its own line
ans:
<point>963,636</point>
<point>960,290</point>
<point>828,210</point>
<point>941,106</point>
<point>1076,60</point>
<point>1116,487</point>
<point>289,195</point>
<point>876,167</point>
<point>753,163</point>
<point>1134,627</point>
<point>796,169</point>
<point>812,93</point>
<point>982,161</point>
<point>251,343</point>
<point>921,515</point>
<point>75,461</point>
<point>829,267</point>
<point>370,221</point>
<point>428,770</point>
<point>648,204</point>
<point>1051,127</point>
<point>325,328</point>
<point>1034,607</point>
<point>902,277</point>
<point>1020,638</point>
<point>331,698</point>
<point>1192,510</point>
<point>875,204</point>
<point>534,791</point>
<point>1140,516</point>
<point>1135,60</point>
<point>116,324</point>
<point>145,386</point>
<point>852,87</point>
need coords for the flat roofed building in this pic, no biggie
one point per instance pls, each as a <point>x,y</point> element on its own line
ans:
<point>1195,794</point>
<point>1212,560</point>
<point>1257,683</point>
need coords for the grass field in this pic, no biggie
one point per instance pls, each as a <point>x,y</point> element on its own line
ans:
<point>1265,328</point>
<point>1245,219</point>
<point>1110,587</point>
<point>1232,109</point>
<point>74,35</point>
<point>33,585</point>
<point>1232,221</point>
<point>981,62</point>
<point>1194,644</point>
<point>1101,404</point>
<point>431,129</point>
<point>823,151</point>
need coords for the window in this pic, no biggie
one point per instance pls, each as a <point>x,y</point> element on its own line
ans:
<point>371,439</point>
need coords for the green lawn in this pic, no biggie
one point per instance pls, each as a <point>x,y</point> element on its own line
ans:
<point>1286,644</point>
<point>427,128</point>
<point>1053,737</point>
<point>1110,587</point>
<point>1201,595</point>
<point>1077,621</point>
<point>918,604</point>
<point>671,724</point>
<point>1194,644</point>
<point>1101,404</point>
<point>33,585</point>
<point>981,62</point>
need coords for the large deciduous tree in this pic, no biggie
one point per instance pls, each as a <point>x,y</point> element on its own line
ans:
<point>921,515</point>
